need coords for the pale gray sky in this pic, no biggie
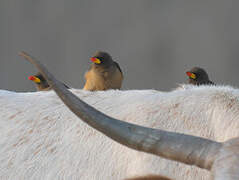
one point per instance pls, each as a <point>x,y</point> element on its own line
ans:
<point>154,41</point>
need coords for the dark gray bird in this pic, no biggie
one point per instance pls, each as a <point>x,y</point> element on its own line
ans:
<point>41,83</point>
<point>103,74</point>
<point>198,76</point>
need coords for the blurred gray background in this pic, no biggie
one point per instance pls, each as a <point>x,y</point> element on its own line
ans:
<point>154,41</point>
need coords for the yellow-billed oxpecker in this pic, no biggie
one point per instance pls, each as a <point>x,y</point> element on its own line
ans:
<point>40,82</point>
<point>198,76</point>
<point>103,74</point>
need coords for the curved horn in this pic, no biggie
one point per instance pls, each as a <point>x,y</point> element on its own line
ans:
<point>175,146</point>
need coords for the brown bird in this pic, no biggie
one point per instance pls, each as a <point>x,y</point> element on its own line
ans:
<point>103,74</point>
<point>41,83</point>
<point>198,76</point>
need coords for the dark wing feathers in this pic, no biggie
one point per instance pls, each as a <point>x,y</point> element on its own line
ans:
<point>117,65</point>
<point>66,86</point>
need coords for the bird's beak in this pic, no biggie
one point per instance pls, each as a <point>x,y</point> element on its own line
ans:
<point>95,60</point>
<point>34,78</point>
<point>191,75</point>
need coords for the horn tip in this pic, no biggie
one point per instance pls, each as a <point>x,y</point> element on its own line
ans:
<point>22,53</point>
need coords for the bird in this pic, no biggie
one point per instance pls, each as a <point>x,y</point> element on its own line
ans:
<point>41,83</point>
<point>104,73</point>
<point>198,76</point>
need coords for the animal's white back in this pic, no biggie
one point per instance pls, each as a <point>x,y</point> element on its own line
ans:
<point>41,139</point>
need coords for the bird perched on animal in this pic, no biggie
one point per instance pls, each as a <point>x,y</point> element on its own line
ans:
<point>198,76</point>
<point>103,74</point>
<point>41,83</point>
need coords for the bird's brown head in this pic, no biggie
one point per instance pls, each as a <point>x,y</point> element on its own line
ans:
<point>40,82</point>
<point>101,58</point>
<point>198,76</point>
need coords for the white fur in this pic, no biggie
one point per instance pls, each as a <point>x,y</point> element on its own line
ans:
<point>40,139</point>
